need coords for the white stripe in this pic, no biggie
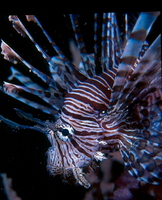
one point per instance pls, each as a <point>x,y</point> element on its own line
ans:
<point>105,82</point>
<point>96,81</point>
<point>89,149</point>
<point>81,105</point>
<point>80,92</point>
<point>76,111</point>
<point>97,91</point>
<point>76,124</point>
<point>92,98</point>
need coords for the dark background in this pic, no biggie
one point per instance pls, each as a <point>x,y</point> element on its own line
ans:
<point>23,152</point>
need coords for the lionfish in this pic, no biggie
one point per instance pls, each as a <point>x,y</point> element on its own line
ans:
<point>111,98</point>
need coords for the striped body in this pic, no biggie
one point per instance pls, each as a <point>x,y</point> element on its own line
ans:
<point>110,97</point>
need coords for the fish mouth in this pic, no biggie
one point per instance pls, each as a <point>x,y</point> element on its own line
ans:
<point>80,177</point>
<point>76,172</point>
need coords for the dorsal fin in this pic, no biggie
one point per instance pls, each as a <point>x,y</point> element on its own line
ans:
<point>131,53</point>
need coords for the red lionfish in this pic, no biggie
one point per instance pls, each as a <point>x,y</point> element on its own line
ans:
<point>112,97</point>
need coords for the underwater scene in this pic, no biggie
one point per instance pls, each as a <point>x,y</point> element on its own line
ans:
<point>81,106</point>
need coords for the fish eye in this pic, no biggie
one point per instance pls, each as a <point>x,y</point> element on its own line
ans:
<point>65,133</point>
